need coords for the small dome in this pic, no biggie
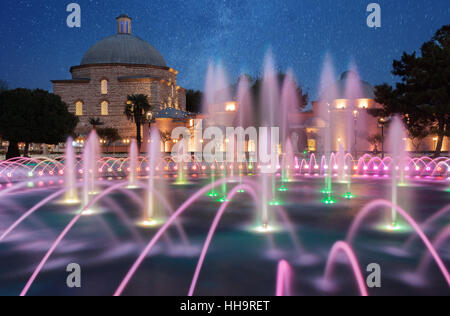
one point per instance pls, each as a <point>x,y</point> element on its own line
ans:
<point>172,113</point>
<point>123,49</point>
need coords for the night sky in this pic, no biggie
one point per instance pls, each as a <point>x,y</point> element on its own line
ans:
<point>37,46</point>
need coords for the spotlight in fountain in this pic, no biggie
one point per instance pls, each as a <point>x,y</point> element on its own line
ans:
<point>394,227</point>
<point>275,203</point>
<point>213,194</point>
<point>329,200</point>
<point>223,200</point>
<point>349,196</point>
<point>90,212</point>
<point>282,189</point>
<point>150,223</point>
<point>265,229</point>
<point>71,201</point>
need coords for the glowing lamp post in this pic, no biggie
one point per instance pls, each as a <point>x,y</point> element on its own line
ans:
<point>382,123</point>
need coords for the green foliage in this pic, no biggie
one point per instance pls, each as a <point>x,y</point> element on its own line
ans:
<point>34,117</point>
<point>422,97</point>
<point>194,101</point>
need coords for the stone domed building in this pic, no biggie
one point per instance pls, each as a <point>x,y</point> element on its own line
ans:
<point>113,68</point>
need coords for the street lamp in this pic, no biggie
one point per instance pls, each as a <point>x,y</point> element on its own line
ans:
<point>382,123</point>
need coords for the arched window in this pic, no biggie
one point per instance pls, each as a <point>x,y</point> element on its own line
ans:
<point>79,108</point>
<point>126,26</point>
<point>104,86</point>
<point>105,108</point>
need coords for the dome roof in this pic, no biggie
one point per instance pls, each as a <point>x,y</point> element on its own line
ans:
<point>123,49</point>
<point>172,113</point>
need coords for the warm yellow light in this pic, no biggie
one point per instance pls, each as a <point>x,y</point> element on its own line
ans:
<point>363,104</point>
<point>191,123</point>
<point>79,108</point>
<point>230,107</point>
<point>435,139</point>
<point>341,104</point>
<point>104,86</point>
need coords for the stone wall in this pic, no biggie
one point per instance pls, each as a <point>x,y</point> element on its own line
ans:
<point>157,83</point>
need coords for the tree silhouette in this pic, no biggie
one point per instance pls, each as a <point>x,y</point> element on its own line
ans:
<point>136,111</point>
<point>34,117</point>
<point>95,122</point>
<point>422,97</point>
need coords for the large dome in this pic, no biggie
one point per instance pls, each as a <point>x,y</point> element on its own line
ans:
<point>123,49</point>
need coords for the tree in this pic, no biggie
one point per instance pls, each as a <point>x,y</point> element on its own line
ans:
<point>33,117</point>
<point>95,122</point>
<point>194,101</point>
<point>376,141</point>
<point>256,94</point>
<point>109,136</point>
<point>302,97</point>
<point>422,97</point>
<point>165,137</point>
<point>136,111</point>
<point>3,86</point>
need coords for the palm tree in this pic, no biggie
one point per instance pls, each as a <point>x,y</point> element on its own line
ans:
<point>95,122</point>
<point>136,111</point>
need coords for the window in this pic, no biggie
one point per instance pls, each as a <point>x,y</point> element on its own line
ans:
<point>104,86</point>
<point>126,26</point>
<point>312,145</point>
<point>105,108</point>
<point>341,104</point>
<point>363,104</point>
<point>121,27</point>
<point>251,146</point>
<point>230,107</point>
<point>79,108</point>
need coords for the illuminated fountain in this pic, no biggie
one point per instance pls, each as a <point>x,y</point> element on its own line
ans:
<point>131,246</point>
<point>70,172</point>
<point>133,165</point>
<point>154,157</point>
<point>329,94</point>
<point>270,100</point>
<point>397,147</point>
<point>90,169</point>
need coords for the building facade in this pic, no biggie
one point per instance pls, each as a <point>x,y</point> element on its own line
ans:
<point>113,68</point>
<point>351,124</point>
